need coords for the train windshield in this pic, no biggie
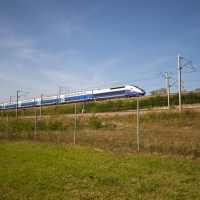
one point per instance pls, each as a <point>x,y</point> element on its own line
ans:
<point>139,88</point>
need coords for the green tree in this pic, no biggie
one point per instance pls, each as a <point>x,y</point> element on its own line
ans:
<point>197,89</point>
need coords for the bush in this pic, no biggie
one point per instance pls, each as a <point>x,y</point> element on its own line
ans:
<point>95,122</point>
<point>17,125</point>
<point>41,125</point>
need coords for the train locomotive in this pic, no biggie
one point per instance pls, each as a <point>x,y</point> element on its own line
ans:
<point>83,96</point>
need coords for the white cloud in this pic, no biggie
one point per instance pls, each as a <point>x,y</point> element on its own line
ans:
<point>14,43</point>
<point>7,77</point>
<point>8,38</point>
<point>71,81</point>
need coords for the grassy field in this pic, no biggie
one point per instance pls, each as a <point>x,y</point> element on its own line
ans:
<point>32,170</point>
<point>166,132</point>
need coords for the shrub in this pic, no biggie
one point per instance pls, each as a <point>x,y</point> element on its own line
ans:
<point>41,125</point>
<point>95,122</point>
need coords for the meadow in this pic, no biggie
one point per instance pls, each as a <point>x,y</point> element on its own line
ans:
<point>95,156</point>
<point>167,132</point>
<point>36,170</point>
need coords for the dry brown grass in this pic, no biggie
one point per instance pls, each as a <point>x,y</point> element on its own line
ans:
<point>163,132</point>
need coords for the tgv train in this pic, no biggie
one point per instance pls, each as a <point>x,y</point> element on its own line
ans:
<point>83,96</point>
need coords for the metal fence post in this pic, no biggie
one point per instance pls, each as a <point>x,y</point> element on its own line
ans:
<point>138,125</point>
<point>7,128</point>
<point>2,109</point>
<point>75,124</point>
<point>35,123</point>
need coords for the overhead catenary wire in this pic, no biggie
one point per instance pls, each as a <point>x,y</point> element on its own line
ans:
<point>119,80</point>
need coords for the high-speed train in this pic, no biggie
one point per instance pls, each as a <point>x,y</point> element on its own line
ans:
<point>83,96</point>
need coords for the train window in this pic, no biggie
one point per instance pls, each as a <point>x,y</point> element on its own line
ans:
<point>117,87</point>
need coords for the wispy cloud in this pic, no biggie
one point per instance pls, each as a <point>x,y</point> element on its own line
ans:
<point>7,77</point>
<point>9,39</point>
<point>71,81</point>
<point>72,25</point>
<point>15,42</point>
<point>81,17</point>
<point>157,62</point>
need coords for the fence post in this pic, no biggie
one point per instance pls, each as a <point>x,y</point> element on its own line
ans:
<point>7,128</point>
<point>35,123</point>
<point>75,124</point>
<point>138,125</point>
<point>2,109</point>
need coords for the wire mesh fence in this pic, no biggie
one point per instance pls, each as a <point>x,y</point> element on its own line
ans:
<point>106,125</point>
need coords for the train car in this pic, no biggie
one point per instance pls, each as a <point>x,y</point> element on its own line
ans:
<point>46,100</point>
<point>8,105</point>
<point>77,96</point>
<point>12,104</point>
<point>26,103</point>
<point>117,92</point>
<point>132,90</point>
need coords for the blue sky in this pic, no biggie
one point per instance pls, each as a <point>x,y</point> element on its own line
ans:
<point>92,44</point>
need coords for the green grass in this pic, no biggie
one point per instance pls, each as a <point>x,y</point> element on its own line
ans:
<point>31,170</point>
